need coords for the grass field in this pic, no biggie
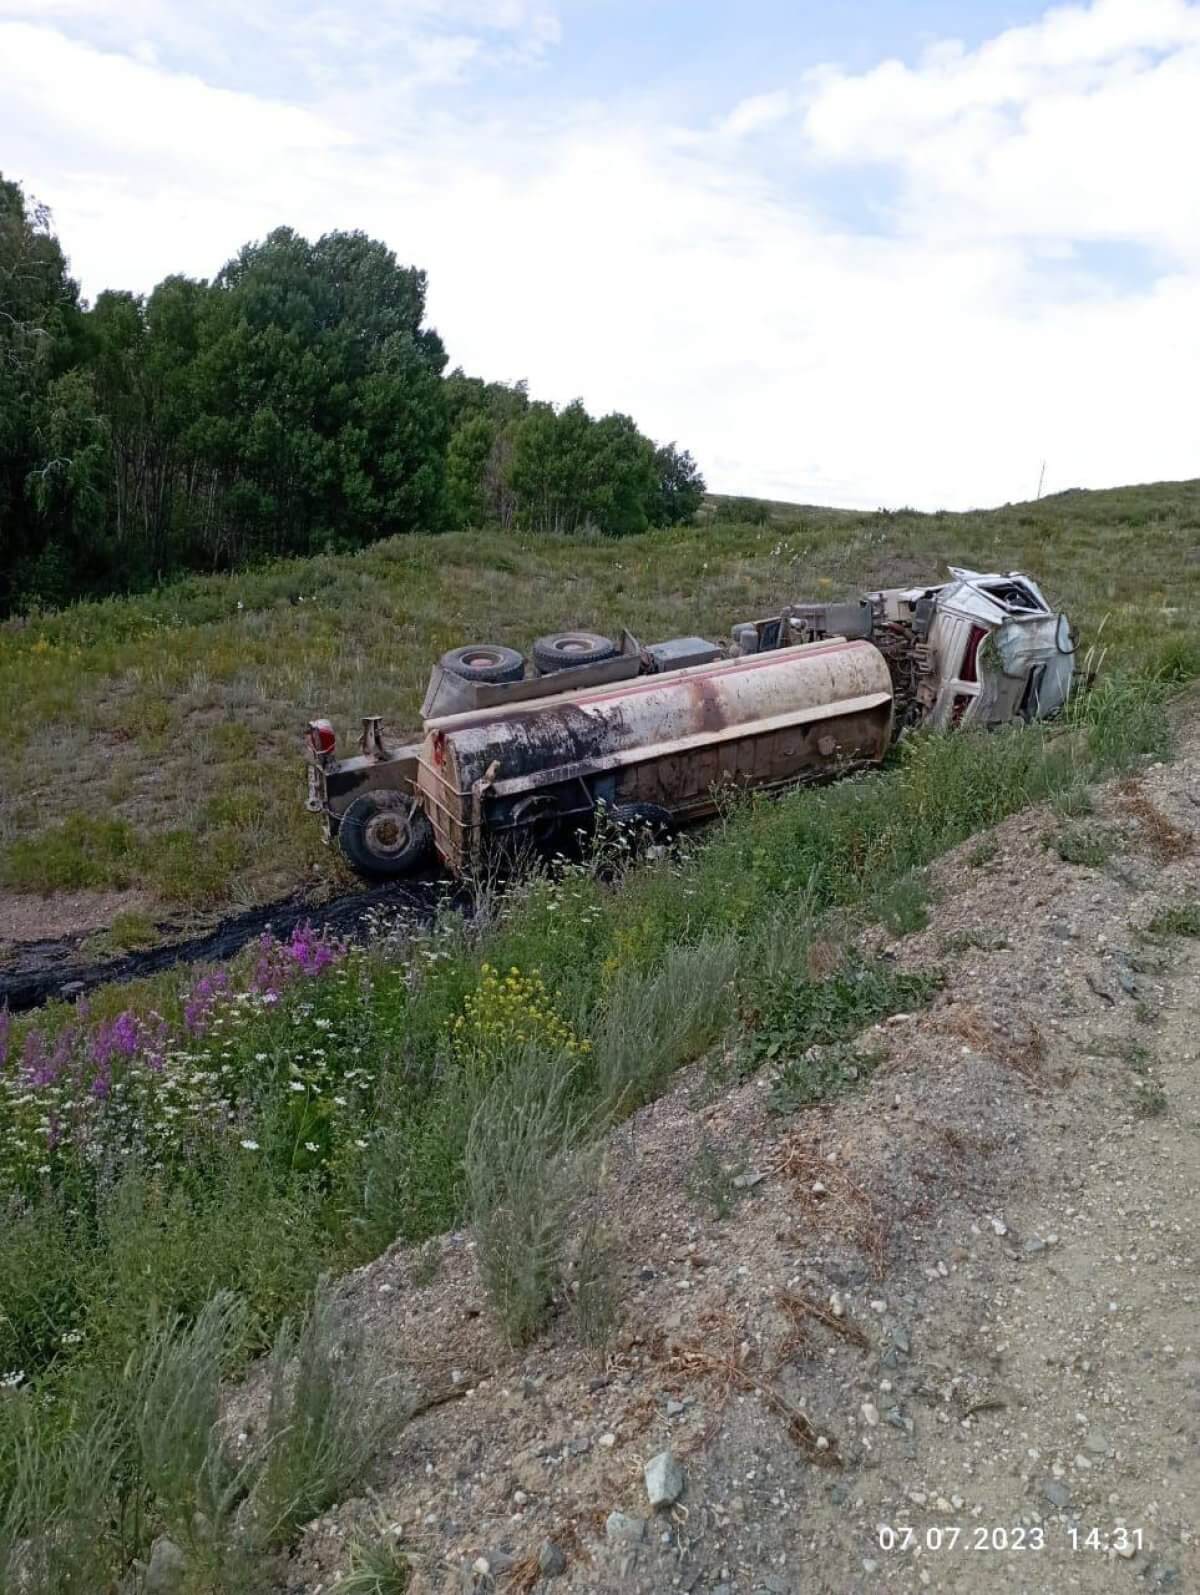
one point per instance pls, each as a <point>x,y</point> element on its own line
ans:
<point>182,1159</point>
<point>154,741</point>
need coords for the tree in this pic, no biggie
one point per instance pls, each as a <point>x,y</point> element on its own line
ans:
<point>295,402</point>
<point>39,337</point>
<point>623,482</point>
<point>320,392</point>
<point>681,487</point>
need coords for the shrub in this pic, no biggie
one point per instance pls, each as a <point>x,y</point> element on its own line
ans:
<point>331,1409</point>
<point>192,1484</point>
<point>57,1514</point>
<point>816,1012</point>
<point>819,1074</point>
<point>1181,919</point>
<point>653,1022</point>
<point>522,1178</point>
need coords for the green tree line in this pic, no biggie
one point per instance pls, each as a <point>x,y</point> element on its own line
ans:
<point>295,402</point>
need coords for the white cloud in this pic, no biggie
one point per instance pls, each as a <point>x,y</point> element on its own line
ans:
<point>757,112</point>
<point>656,269</point>
<point>1072,128</point>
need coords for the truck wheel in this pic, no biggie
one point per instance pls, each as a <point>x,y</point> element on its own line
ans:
<point>650,823</point>
<point>485,661</point>
<point>562,649</point>
<point>384,834</point>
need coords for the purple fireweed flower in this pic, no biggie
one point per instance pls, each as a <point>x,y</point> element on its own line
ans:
<point>5,1033</point>
<point>304,953</point>
<point>126,1033</point>
<point>205,995</point>
<point>36,1064</point>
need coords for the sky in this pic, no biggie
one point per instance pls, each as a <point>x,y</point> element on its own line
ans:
<point>871,254</point>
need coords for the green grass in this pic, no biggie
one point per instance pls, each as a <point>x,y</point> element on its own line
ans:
<point>156,739</point>
<point>1181,919</point>
<point>635,977</point>
<point>1091,846</point>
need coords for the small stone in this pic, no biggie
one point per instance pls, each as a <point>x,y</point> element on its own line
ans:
<point>482,1566</point>
<point>870,1414</point>
<point>746,1182</point>
<point>870,1565</point>
<point>674,1409</point>
<point>551,1559</point>
<point>822,1442</point>
<point>1000,1227</point>
<point>1056,1492</point>
<point>664,1480</point>
<point>166,1569</point>
<point>520,1497</point>
<point>579,1445</point>
<point>607,1441</point>
<point>819,1188</point>
<point>623,1529</point>
<point>1033,1247</point>
<point>879,1305</point>
<point>1097,1442</point>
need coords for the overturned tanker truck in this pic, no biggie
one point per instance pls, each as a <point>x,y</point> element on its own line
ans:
<point>511,759</point>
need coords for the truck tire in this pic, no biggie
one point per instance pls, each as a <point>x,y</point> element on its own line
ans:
<point>650,822</point>
<point>485,661</point>
<point>385,834</point>
<point>563,649</point>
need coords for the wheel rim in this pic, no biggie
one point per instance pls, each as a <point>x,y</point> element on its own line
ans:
<point>480,656</point>
<point>388,833</point>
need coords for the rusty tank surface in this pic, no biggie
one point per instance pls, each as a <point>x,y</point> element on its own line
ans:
<point>518,752</point>
<point>656,746</point>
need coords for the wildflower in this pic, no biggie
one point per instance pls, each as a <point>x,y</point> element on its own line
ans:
<point>311,1146</point>
<point>249,1146</point>
<point>10,1380</point>
<point>296,1085</point>
<point>205,996</point>
<point>361,1145</point>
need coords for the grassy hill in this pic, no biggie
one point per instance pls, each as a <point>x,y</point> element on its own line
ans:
<point>154,741</point>
<point>181,1160</point>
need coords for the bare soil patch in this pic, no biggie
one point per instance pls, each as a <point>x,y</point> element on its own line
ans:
<point>32,916</point>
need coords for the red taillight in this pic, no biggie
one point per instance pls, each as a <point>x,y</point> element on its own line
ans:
<point>321,738</point>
